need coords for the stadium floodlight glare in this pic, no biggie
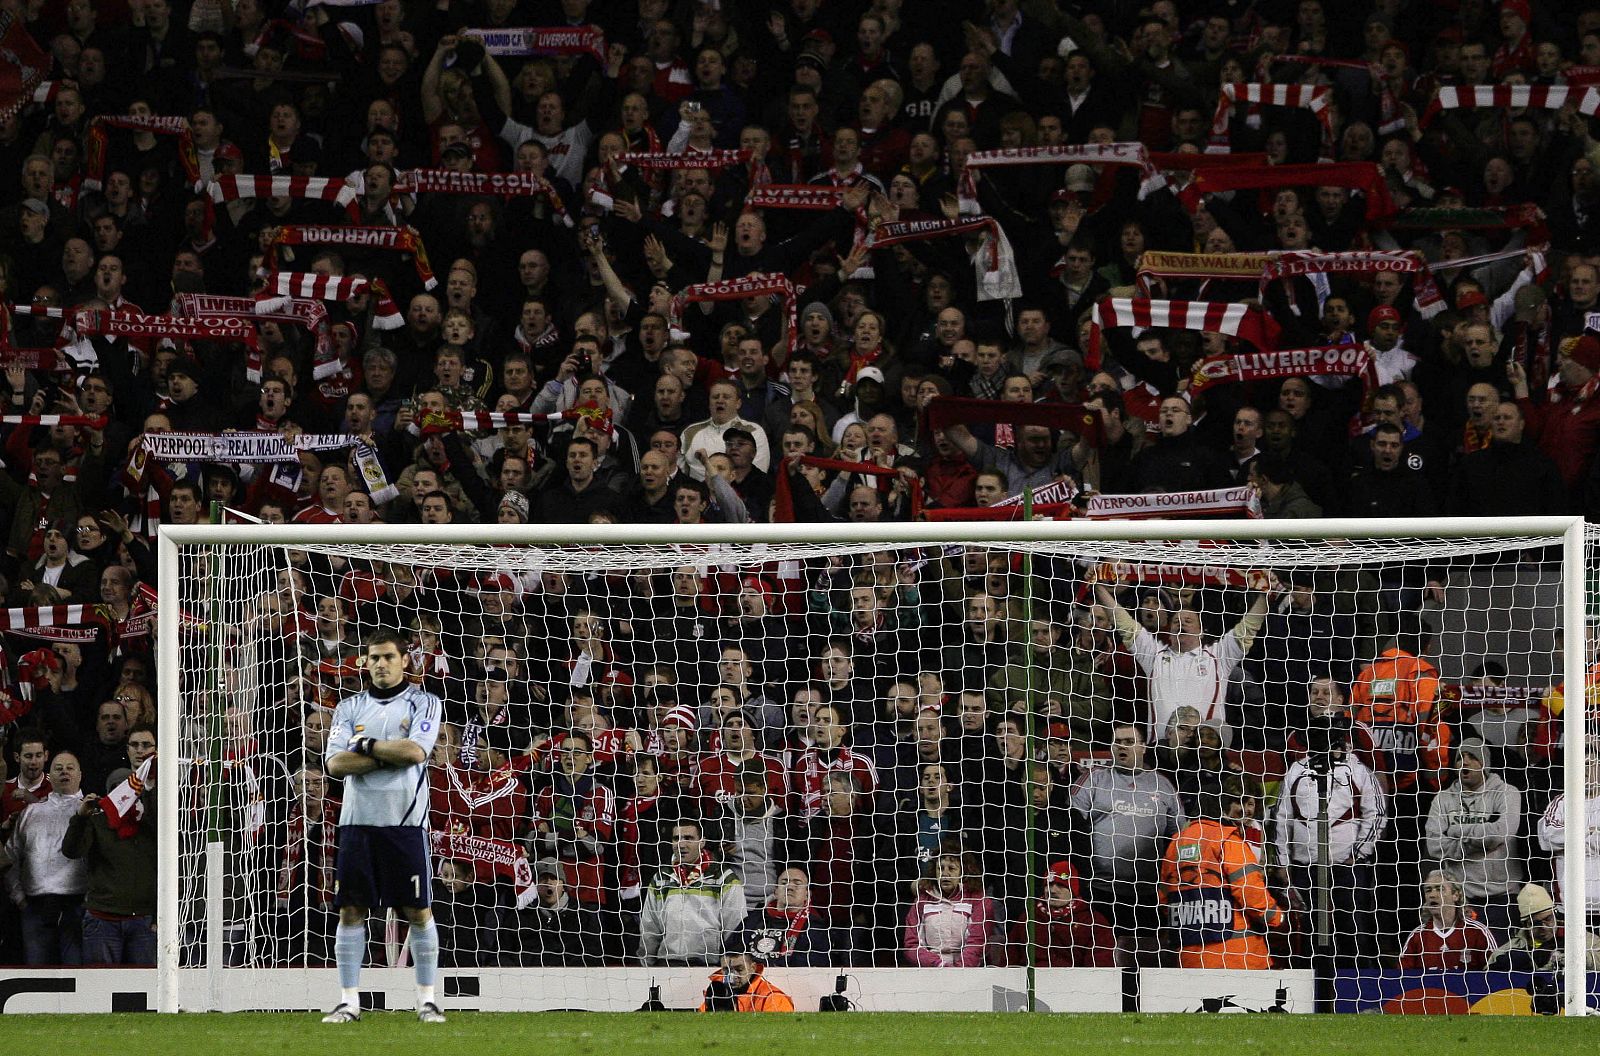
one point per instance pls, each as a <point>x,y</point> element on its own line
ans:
<point>977,673</point>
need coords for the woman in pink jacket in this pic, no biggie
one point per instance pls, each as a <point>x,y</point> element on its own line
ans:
<point>952,921</point>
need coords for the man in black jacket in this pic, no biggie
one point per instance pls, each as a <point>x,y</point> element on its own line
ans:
<point>1388,487</point>
<point>553,931</point>
<point>1509,477</point>
<point>1177,461</point>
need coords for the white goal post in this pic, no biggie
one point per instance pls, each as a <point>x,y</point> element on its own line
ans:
<point>194,981</point>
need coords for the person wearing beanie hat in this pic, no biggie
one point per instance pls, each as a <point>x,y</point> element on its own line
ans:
<point>1470,831</point>
<point>1566,425</point>
<point>1537,946</point>
<point>513,508</point>
<point>1068,933</point>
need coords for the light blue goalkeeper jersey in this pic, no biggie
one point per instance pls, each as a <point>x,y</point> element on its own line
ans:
<point>390,795</point>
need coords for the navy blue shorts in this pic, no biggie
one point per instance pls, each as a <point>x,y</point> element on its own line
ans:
<point>383,865</point>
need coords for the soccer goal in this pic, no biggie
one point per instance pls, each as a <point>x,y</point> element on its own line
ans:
<point>1063,765</point>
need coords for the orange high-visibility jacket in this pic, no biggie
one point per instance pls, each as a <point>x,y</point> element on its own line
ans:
<point>1216,899</point>
<point>1395,696</point>
<point>759,996</point>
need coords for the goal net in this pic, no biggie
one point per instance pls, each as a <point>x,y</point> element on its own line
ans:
<point>1040,750</point>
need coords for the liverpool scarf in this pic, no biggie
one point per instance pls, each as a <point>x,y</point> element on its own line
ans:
<point>1160,264</point>
<point>399,239</point>
<point>1365,262</point>
<point>993,262</point>
<point>119,323</point>
<point>252,448</point>
<point>941,412</point>
<point>1340,361</point>
<point>308,314</point>
<point>96,142</point>
<point>526,41</point>
<point>709,159</point>
<point>1239,321</point>
<point>123,808</point>
<point>795,196</point>
<point>783,496</point>
<point>1141,573</point>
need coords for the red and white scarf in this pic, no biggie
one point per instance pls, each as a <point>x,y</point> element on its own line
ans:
<point>321,188</point>
<point>502,857</point>
<point>186,328</point>
<point>993,261</point>
<point>1131,573</point>
<point>96,144</point>
<point>795,196</point>
<point>1236,320</point>
<point>29,617</point>
<point>283,287</point>
<point>311,315</point>
<point>399,239</point>
<point>1312,97</point>
<point>1134,154</point>
<point>1511,97</point>
<point>86,421</point>
<point>123,808</point>
<point>1364,176</point>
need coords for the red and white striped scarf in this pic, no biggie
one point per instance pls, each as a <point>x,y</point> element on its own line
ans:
<point>399,239</point>
<point>483,421</point>
<point>1134,154</point>
<point>1312,97</point>
<point>28,617</point>
<point>283,287</point>
<point>795,196</point>
<point>96,143</point>
<point>86,421</point>
<point>321,188</point>
<point>1511,97</point>
<point>1240,321</point>
<point>1130,573</point>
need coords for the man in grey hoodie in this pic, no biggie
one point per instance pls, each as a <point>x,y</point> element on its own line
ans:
<point>1471,829</point>
<point>1130,813</point>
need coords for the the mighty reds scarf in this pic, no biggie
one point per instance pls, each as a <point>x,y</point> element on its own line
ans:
<point>1215,317</point>
<point>1363,262</point>
<point>1363,176</point>
<point>233,188</point>
<point>524,41</point>
<point>757,284</point>
<point>1511,96</point>
<point>122,805</point>
<point>311,315</point>
<point>187,328</point>
<point>28,617</point>
<point>783,496</point>
<point>1314,98</point>
<point>709,159</point>
<point>284,286</point>
<point>993,261</point>
<point>399,239</point>
<point>1340,361</point>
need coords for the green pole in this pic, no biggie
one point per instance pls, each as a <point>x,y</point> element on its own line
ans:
<point>213,688</point>
<point>1030,866</point>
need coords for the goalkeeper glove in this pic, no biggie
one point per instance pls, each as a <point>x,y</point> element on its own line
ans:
<point>363,746</point>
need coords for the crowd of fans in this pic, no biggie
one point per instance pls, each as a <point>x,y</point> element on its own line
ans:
<point>829,759</point>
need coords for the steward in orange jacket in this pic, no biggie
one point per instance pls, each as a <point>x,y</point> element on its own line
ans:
<point>1214,891</point>
<point>1396,698</point>
<point>741,987</point>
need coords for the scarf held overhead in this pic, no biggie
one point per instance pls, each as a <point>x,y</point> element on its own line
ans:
<point>1341,361</point>
<point>1314,98</point>
<point>399,239</point>
<point>756,284</point>
<point>1250,325</point>
<point>1511,97</point>
<point>1365,262</point>
<point>527,41</point>
<point>1363,176</point>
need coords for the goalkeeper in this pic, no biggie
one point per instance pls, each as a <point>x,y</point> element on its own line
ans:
<point>379,745</point>
<point>1187,669</point>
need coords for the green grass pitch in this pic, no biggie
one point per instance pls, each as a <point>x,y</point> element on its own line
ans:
<point>847,1034</point>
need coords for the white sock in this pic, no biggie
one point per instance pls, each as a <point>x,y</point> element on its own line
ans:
<point>349,995</point>
<point>425,996</point>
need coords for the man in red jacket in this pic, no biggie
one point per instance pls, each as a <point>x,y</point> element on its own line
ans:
<point>1067,932</point>
<point>1566,425</point>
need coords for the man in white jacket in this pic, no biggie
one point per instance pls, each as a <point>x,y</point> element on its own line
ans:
<point>46,884</point>
<point>1357,813</point>
<point>692,906</point>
